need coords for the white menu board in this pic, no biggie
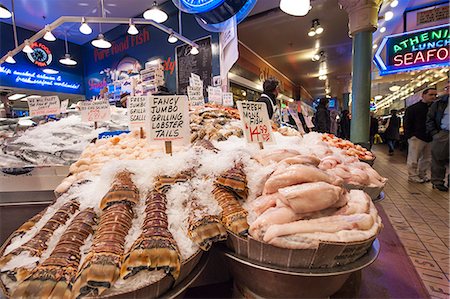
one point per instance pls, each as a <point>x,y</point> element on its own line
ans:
<point>136,111</point>
<point>255,122</point>
<point>95,111</point>
<point>44,105</point>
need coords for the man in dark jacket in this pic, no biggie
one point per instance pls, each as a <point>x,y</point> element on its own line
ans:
<point>419,142</point>
<point>322,119</point>
<point>438,127</point>
<point>269,96</point>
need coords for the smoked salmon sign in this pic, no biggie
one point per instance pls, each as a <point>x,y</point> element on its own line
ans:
<point>414,50</point>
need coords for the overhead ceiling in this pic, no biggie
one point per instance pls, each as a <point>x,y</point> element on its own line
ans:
<point>283,41</point>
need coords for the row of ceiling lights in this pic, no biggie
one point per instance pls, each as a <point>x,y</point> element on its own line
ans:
<point>154,14</point>
<point>388,15</point>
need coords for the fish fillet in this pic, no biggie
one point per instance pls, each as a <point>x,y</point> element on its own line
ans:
<point>275,215</point>
<point>302,159</point>
<point>265,157</point>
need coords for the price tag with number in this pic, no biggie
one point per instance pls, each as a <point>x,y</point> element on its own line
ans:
<point>255,122</point>
<point>94,111</point>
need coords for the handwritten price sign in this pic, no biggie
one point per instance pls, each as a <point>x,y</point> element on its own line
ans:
<point>44,105</point>
<point>94,111</point>
<point>255,121</point>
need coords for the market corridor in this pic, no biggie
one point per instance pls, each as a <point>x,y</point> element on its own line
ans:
<point>420,217</point>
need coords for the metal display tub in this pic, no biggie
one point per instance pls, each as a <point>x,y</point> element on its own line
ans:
<point>257,280</point>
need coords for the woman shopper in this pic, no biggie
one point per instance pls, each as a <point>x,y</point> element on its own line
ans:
<point>392,133</point>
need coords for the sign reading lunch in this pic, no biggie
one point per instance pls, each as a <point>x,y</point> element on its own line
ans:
<point>415,50</point>
<point>255,121</point>
<point>168,118</point>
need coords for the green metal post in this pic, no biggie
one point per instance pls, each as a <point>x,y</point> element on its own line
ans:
<point>362,60</point>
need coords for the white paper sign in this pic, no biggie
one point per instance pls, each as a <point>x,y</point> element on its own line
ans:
<point>255,122</point>
<point>195,83</point>
<point>64,105</point>
<point>95,111</point>
<point>44,105</point>
<point>168,118</point>
<point>195,77</point>
<point>136,111</point>
<point>196,99</point>
<point>215,95</point>
<point>227,98</point>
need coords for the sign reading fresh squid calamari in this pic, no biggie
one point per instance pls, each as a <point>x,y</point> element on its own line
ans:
<point>414,50</point>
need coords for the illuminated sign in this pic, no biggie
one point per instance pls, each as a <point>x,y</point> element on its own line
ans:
<point>199,6</point>
<point>420,49</point>
<point>41,55</point>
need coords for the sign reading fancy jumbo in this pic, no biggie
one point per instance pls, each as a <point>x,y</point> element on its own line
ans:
<point>414,50</point>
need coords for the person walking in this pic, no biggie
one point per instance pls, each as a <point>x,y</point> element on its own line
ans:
<point>269,96</point>
<point>373,128</point>
<point>344,125</point>
<point>392,133</point>
<point>437,126</point>
<point>322,117</point>
<point>419,142</point>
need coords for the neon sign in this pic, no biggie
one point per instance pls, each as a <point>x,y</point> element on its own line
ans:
<point>41,55</point>
<point>418,49</point>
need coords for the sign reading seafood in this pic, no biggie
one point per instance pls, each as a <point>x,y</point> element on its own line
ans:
<point>136,111</point>
<point>95,111</point>
<point>168,118</point>
<point>255,122</point>
<point>44,105</point>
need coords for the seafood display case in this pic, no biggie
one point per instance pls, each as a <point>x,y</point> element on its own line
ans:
<point>131,221</point>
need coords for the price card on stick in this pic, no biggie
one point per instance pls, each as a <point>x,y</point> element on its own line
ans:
<point>255,122</point>
<point>64,105</point>
<point>95,111</point>
<point>44,105</point>
<point>227,99</point>
<point>136,112</point>
<point>168,120</point>
<point>215,95</point>
<point>196,99</point>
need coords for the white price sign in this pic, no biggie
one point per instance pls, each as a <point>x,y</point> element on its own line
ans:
<point>255,122</point>
<point>227,99</point>
<point>44,105</point>
<point>168,118</point>
<point>64,105</point>
<point>95,111</point>
<point>215,95</point>
<point>195,95</point>
<point>136,111</point>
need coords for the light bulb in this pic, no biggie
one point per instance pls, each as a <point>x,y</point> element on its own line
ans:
<point>394,3</point>
<point>394,88</point>
<point>49,35</point>
<point>4,12</point>
<point>85,28</point>
<point>27,48</point>
<point>311,32</point>
<point>374,46</point>
<point>378,97</point>
<point>50,71</point>
<point>319,29</point>
<point>194,51</point>
<point>172,39</point>
<point>10,58</point>
<point>155,14</point>
<point>298,8</point>
<point>101,43</point>
<point>322,77</point>
<point>316,57</point>
<point>67,60</point>
<point>132,30</point>
<point>383,29</point>
<point>388,15</point>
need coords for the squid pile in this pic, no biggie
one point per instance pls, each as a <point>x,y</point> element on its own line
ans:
<point>54,277</point>
<point>102,265</point>
<point>39,243</point>
<point>155,248</point>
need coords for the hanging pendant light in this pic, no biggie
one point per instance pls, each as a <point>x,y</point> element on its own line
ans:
<point>49,35</point>
<point>312,31</point>
<point>155,14</point>
<point>4,12</point>
<point>132,29</point>
<point>298,8</point>
<point>27,48</point>
<point>172,39</point>
<point>67,60</point>
<point>101,42</point>
<point>85,28</point>
<point>194,51</point>
<point>10,58</point>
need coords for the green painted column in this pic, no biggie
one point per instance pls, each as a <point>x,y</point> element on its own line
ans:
<point>361,72</point>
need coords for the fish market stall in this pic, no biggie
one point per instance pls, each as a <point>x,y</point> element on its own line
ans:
<point>130,220</point>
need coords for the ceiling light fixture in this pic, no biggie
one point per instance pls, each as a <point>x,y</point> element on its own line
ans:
<point>4,12</point>
<point>194,51</point>
<point>394,88</point>
<point>85,28</point>
<point>312,32</point>
<point>298,8</point>
<point>67,60</point>
<point>378,97</point>
<point>27,48</point>
<point>319,28</point>
<point>383,29</point>
<point>50,71</point>
<point>388,15</point>
<point>101,42</point>
<point>374,46</point>
<point>316,28</point>
<point>132,29</point>
<point>49,35</point>
<point>155,14</point>
<point>394,3</point>
<point>10,58</point>
<point>16,96</point>
<point>322,77</point>
<point>172,39</point>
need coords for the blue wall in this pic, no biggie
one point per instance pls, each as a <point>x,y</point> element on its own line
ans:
<point>154,45</point>
<point>25,74</point>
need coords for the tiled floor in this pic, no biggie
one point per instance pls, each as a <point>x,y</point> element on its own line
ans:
<point>420,216</point>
